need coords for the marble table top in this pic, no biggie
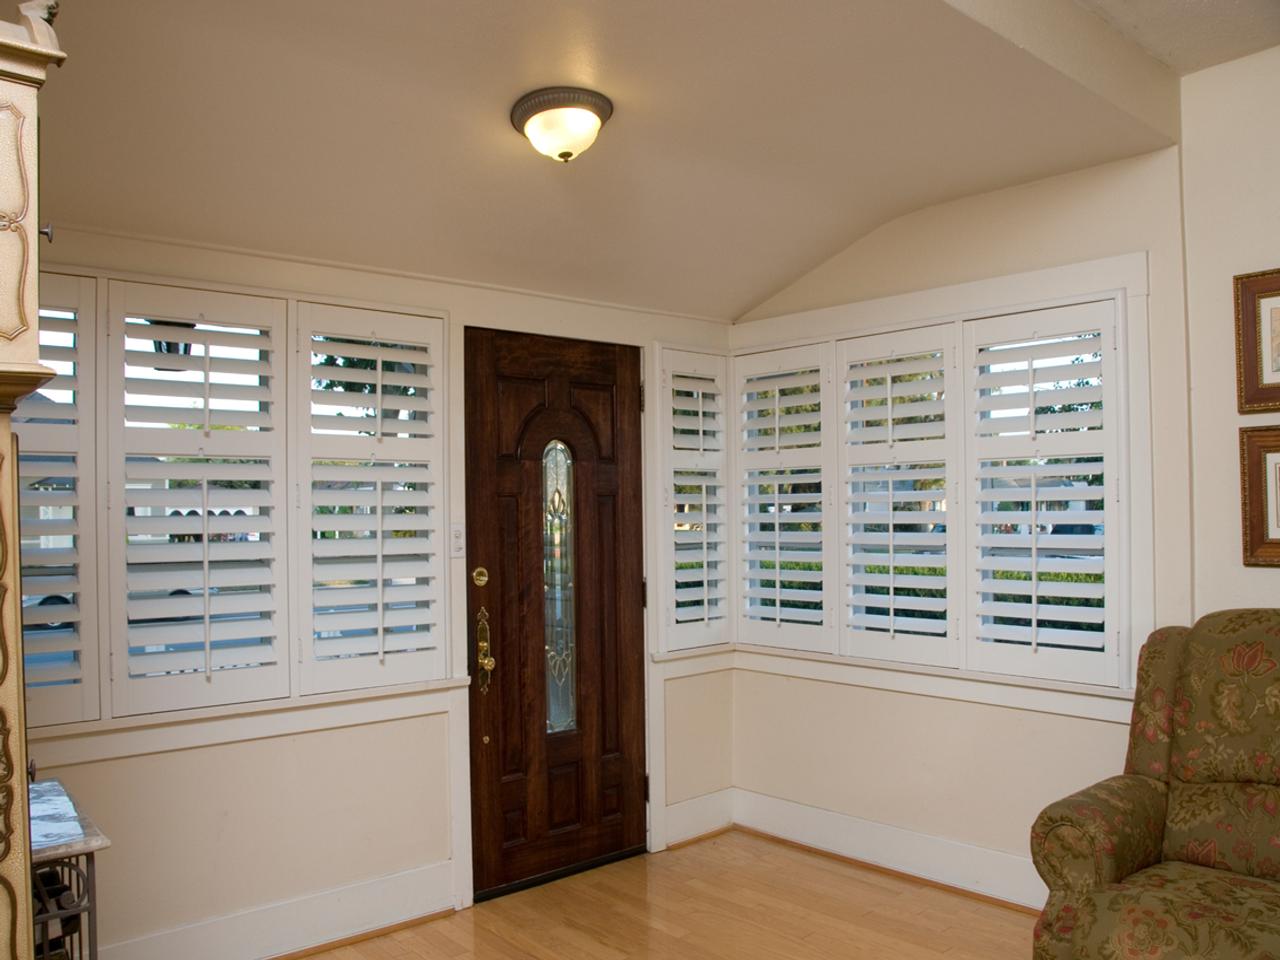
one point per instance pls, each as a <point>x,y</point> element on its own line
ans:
<point>58,828</point>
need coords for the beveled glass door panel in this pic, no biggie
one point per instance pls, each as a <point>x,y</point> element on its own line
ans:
<point>557,587</point>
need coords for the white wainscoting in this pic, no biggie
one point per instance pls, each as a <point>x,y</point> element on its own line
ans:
<point>290,925</point>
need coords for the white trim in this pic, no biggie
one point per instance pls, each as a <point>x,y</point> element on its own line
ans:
<point>994,873</point>
<point>1014,293</point>
<point>1108,704</point>
<point>699,816</point>
<point>459,773</point>
<point>164,733</point>
<point>1096,703</point>
<point>303,922</point>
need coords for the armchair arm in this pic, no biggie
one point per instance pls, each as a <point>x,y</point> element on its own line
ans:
<point>1100,835</point>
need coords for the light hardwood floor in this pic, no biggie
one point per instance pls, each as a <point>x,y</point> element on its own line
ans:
<point>732,897</point>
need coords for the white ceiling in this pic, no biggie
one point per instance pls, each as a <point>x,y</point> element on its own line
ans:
<point>751,139</point>
<point>1189,35</point>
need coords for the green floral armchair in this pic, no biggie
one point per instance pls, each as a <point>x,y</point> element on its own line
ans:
<point>1179,856</point>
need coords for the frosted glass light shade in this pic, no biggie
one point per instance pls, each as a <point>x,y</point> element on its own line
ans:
<point>561,122</point>
<point>562,133</point>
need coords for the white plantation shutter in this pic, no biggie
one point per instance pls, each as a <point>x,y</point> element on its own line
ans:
<point>57,494</point>
<point>1044,420</point>
<point>372,443</point>
<point>786,547</point>
<point>900,555</point>
<point>697,547</point>
<point>196,397</point>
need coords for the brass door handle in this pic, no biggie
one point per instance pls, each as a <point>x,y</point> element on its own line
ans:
<point>484,660</point>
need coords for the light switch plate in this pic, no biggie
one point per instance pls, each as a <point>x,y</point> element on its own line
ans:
<point>457,540</point>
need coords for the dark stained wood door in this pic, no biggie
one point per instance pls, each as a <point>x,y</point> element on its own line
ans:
<point>553,515</point>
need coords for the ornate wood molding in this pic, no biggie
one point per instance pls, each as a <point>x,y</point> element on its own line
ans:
<point>15,204</point>
<point>18,381</point>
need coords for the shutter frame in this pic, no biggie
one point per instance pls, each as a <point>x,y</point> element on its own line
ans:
<point>369,652</point>
<point>923,452</point>
<point>989,452</point>
<point>765,459</point>
<point>696,526</point>
<point>57,474</point>
<point>209,465</point>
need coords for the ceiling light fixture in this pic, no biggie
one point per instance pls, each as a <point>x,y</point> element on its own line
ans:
<point>561,122</point>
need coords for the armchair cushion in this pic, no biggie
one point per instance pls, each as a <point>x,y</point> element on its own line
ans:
<point>1230,826</point>
<point>1175,910</point>
<point>1229,729</point>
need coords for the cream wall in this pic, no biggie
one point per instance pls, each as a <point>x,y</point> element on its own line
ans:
<point>213,831</point>
<point>966,772</point>
<point>950,771</point>
<point>1231,155</point>
<point>700,725</point>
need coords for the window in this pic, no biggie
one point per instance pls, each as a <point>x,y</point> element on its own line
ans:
<point>371,446</point>
<point>272,477</point>
<point>978,493</point>
<point>697,548</point>
<point>785,493</point>
<point>57,484</point>
<point>197,435</point>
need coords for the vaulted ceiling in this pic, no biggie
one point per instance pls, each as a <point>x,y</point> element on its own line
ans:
<point>751,139</point>
<point>1189,35</point>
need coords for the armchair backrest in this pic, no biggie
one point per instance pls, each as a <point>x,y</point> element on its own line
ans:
<point>1206,720</point>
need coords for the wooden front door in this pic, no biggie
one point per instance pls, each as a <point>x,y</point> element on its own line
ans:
<point>553,517</point>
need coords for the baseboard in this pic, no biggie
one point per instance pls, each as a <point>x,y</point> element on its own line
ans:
<point>294,925</point>
<point>992,873</point>
<point>701,815</point>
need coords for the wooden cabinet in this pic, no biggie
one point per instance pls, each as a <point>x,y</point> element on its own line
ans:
<point>27,48</point>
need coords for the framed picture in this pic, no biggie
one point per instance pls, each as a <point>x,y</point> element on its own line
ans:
<point>1258,341</point>
<point>1260,495</point>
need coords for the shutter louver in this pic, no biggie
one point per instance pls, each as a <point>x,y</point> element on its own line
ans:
<point>201,515</point>
<point>56,505</point>
<point>898,548</point>
<point>1042,458</point>
<point>197,375</point>
<point>1041,553</point>
<point>899,556</point>
<point>895,399</point>
<point>374,499</point>
<point>49,503</point>
<point>362,388</point>
<point>784,548</point>
<point>697,548</point>
<point>1044,386</point>
<point>199,553</point>
<point>783,410</point>
<point>375,592</point>
<point>700,561</point>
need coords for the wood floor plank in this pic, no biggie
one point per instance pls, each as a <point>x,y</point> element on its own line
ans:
<point>735,896</point>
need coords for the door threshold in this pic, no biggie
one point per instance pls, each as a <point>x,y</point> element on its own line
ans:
<point>559,874</point>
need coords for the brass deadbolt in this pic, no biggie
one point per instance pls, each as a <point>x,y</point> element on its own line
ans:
<point>479,576</point>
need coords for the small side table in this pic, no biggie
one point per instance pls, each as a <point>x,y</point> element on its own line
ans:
<point>64,893</point>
